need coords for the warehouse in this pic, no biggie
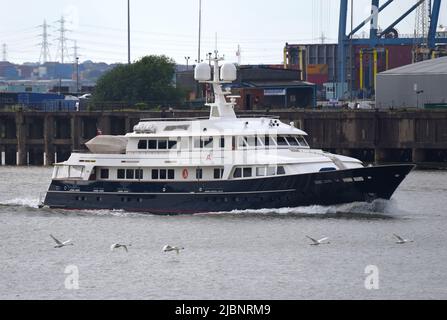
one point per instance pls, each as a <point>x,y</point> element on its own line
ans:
<point>419,85</point>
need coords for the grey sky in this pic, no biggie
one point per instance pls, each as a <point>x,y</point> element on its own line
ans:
<point>170,27</point>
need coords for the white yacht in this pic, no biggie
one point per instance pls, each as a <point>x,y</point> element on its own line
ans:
<point>218,164</point>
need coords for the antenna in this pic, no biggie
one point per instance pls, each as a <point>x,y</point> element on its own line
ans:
<point>215,44</point>
<point>200,30</point>
<point>239,55</point>
<point>62,48</point>
<point>45,49</point>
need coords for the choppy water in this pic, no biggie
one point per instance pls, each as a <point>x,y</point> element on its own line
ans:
<point>239,255</point>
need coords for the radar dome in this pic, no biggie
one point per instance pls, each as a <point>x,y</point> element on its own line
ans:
<point>228,72</point>
<point>202,72</point>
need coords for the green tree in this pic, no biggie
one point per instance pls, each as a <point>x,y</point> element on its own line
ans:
<point>147,81</point>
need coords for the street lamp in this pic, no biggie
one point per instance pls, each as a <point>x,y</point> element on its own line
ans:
<point>417,97</point>
<point>77,75</point>
<point>128,31</point>
<point>187,63</point>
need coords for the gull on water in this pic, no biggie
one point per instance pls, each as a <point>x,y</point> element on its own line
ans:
<point>318,242</point>
<point>60,244</point>
<point>401,240</point>
<point>117,246</point>
<point>169,248</point>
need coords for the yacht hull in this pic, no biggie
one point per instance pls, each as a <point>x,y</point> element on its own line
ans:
<point>322,188</point>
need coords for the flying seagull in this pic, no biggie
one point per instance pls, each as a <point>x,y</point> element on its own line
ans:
<point>168,248</point>
<point>117,246</point>
<point>401,240</point>
<point>318,242</point>
<point>60,244</point>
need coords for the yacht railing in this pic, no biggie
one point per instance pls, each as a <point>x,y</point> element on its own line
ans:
<point>172,119</point>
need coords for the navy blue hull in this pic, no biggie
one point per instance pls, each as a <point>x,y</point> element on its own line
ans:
<point>324,188</point>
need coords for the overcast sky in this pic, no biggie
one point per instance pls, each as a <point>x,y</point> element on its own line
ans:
<point>170,27</point>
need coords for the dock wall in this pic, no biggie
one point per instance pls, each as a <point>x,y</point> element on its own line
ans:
<point>420,136</point>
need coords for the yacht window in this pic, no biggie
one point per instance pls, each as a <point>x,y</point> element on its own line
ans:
<point>218,173</point>
<point>155,174</point>
<point>199,174</point>
<point>139,174</point>
<point>281,171</point>
<point>292,141</point>
<point>267,141</point>
<point>251,141</point>
<point>130,174</point>
<point>152,144</point>
<point>121,174</point>
<point>302,141</point>
<point>142,145</point>
<point>172,145</point>
<point>162,144</point>
<point>163,174</point>
<point>258,142</point>
<point>260,171</point>
<point>197,143</point>
<point>237,173</point>
<point>171,174</point>
<point>243,142</point>
<point>271,171</point>
<point>75,171</point>
<point>208,143</point>
<point>247,172</point>
<point>104,173</point>
<point>282,141</point>
<point>222,142</point>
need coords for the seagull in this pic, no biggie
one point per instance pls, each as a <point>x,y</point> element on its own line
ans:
<point>61,244</point>
<point>402,240</point>
<point>168,248</point>
<point>318,242</point>
<point>117,246</point>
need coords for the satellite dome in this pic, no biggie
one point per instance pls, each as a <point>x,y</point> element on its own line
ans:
<point>228,72</point>
<point>202,72</point>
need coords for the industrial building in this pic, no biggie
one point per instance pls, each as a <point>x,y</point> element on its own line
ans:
<point>350,66</point>
<point>419,85</point>
<point>260,87</point>
<point>318,63</point>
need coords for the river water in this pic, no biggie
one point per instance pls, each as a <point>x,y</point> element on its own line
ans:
<point>240,255</point>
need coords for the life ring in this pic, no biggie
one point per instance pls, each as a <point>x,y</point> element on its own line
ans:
<point>185,173</point>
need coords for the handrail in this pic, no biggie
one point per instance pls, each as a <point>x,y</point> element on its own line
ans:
<point>172,119</point>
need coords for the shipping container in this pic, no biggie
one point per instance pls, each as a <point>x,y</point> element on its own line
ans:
<point>32,98</point>
<point>318,79</point>
<point>317,69</point>
<point>8,98</point>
